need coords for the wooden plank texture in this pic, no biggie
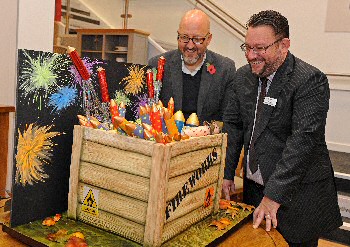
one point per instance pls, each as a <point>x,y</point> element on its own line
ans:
<point>113,139</point>
<point>191,161</point>
<point>116,181</point>
<point>113,223</point>
<point>114,203</point>
<point>118,159</point>
<point>74,172</point>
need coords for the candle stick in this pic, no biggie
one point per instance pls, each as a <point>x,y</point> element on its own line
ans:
<point>84,73</point>
<point>122,109</point>
<point>155,119</point>
<point>101,72</point>
<point>179,120</point>
<point>171,106</point>
<point>150,86</point>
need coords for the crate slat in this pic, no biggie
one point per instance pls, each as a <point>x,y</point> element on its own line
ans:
<point>118,159</point>
<point>124,206</point>
<point>116,181</point>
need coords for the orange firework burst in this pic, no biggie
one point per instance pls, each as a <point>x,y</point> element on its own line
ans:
<point>33,151</point>
<point>136,79</point>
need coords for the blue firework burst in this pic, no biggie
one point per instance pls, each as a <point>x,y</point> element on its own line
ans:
<point>64,97</point>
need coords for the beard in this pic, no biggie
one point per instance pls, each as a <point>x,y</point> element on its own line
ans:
<point>191,60</point>
<point>269,67</point>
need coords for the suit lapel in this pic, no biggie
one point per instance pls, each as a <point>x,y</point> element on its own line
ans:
<point>206,80</point>
<point>176,80</point>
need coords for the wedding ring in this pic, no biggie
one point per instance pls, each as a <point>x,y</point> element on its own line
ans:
<point>268,217</point>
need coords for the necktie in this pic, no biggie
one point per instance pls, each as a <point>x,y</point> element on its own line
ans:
<point>253,164</point>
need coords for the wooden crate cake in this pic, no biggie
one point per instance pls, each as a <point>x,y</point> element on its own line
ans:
<point>144,191</point>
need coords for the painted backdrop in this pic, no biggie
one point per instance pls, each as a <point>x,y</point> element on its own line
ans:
<point>49,98</point>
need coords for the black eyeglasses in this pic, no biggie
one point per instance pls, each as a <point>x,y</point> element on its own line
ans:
<point>196,40</point>
<point>259,49</point>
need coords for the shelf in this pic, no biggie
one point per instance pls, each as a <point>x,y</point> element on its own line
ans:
<point>103,44</point>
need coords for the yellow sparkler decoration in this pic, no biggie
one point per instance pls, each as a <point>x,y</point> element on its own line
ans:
<point>33,152</point>
<point>136,79</point>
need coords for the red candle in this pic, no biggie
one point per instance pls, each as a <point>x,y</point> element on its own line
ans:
<point>84,73</point>
<point>160,69</point>
<point>155,119</point>
<point>150,85</point>
<point>101,72</point>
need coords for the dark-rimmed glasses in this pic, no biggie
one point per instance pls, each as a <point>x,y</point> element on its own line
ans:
<point>196,40</point>
<point>259,49</point>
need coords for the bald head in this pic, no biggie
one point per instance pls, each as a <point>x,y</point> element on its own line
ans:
<point>195,20</point>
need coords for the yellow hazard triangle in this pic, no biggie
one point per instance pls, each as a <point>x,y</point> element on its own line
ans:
<point>89,204</point>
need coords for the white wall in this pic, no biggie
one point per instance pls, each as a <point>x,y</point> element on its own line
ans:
<point>36,24</point>
<point>27,24</point>
<point>8,47</point>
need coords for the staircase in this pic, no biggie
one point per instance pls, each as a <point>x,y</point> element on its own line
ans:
<point>80,17</point>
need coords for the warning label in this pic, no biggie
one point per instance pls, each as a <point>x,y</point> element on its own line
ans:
<point>90,203</point>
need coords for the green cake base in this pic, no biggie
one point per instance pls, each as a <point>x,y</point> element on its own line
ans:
<point>200,234</point>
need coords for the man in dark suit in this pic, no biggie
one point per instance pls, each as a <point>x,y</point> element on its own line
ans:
<point>196,78</point>
<point>288,174</point>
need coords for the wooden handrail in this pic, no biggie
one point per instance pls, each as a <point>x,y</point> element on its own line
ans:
<point>242,33</point>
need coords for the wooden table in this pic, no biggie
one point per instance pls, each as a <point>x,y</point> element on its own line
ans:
<point>246,236</point>
<point>4,133</point>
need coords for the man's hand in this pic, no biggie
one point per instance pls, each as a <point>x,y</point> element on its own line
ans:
<point>227,186</point>
<point>268,210</point>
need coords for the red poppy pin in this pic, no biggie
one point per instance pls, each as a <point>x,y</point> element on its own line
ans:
<point>211,68</point>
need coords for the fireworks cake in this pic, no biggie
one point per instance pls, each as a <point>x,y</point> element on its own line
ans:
<point>144,191</point>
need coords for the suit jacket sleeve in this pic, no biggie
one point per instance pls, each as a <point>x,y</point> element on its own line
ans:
<point>233,126</point>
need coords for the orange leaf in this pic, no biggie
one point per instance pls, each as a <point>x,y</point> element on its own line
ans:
<point>245,206</point>
<point>49,222</point>
<point>219,225</point>
<point>225,221</point>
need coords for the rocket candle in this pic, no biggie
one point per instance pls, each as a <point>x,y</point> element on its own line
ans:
<point>135,129</point>
<point>150,86</point>
<point>101,72</point>
<point>170,123</point>
<point>155,119</point>
<point>144,115</point>
<point>84,121</point>
<point>121,122</point>
<point>164,128</point>
<point>179,120</point>
<point>160,68</point>
<point>113,107</point>
<point>192,120</point>
<point>97,124</point>
<point>150,129</point>
<point>84,73</point>
<point>171,106</point>
<point>122,109</point>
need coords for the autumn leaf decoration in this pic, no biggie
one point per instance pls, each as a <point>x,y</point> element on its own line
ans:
<point>221,224</point>
<point>211,68</point>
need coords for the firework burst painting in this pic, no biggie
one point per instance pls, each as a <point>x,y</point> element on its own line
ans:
<point>38,79</point>
<point>135,81</point>
<point>34,151</point>
<point>49,98</point>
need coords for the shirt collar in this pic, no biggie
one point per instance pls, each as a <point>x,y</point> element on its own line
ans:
<point>187,71</point>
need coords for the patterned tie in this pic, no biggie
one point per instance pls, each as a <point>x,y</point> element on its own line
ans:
<point>253,164</point>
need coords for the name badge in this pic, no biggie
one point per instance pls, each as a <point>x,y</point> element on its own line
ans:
<point>270,101</point>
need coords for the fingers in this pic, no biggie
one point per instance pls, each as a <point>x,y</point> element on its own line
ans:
<point>274,221</point>
<point>258,216</point>
<point>268,222</point>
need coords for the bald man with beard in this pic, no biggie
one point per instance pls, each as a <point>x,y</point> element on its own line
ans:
<point>197,78</point>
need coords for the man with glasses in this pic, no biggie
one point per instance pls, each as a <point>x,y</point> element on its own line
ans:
<point>196,78</point>
<point>277,112</point>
